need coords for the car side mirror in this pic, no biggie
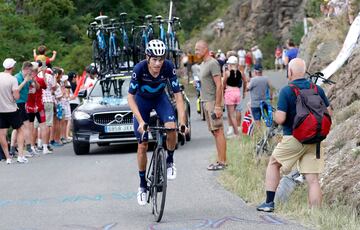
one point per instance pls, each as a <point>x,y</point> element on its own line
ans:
<point>82,94</point>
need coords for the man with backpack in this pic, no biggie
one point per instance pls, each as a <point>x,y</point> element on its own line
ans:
<point>300,143</point>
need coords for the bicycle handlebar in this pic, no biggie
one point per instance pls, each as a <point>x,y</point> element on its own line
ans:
<point>314,77</point>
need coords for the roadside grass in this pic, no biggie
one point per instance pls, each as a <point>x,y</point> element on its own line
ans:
<point>245,177</point>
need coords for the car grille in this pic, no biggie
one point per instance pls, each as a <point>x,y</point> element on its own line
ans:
<point>109,118</point>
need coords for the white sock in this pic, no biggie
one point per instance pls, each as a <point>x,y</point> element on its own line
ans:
<point>39,142</point>
<point>45,146</point>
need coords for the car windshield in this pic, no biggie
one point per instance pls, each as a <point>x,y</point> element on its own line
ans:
<point>111,87</point>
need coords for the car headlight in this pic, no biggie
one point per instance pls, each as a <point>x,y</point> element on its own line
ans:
<point>79,115</point>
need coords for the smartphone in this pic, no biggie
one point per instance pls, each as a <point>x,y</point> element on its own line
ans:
<point>213,116</point>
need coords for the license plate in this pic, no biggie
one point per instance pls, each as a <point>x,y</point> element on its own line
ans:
<point>119,128</point>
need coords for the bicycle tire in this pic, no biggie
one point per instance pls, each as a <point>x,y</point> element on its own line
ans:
<point>95,55</point>
<point>160,184</point>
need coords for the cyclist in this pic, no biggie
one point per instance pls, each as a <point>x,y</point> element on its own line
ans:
<point>146,93</point>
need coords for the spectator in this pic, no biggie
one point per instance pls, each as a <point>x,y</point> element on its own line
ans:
<point>65,103</point>
<point>211,96</point>
<point>233,81</point>
<point>74,100</point>
<point>219,27</point>
<point>241,54</point>
<point>248,64</point>
<point>9,113</point>
<point>48,101</point>
<point>290,151</point>
<point>283,55</point>
<point>42,56</point>
<point>35,108</point>
<point>278,58</point>
<point>59,115</point>
<point>257,54</point>
<point>291,53</point>
<point>23,135</point>
<point>258,87</point>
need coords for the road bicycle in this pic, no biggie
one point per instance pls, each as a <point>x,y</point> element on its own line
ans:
<point>99,45</point>
<point>113,49</point>
<point>157,171</point>
<point>173,42</point>
<point>126,49</point>
<point>267,143</point>
<point>162,33</point>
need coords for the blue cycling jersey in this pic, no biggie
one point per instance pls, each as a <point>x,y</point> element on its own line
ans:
<point>145,85</point>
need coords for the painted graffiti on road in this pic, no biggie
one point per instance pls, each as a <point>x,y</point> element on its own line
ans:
<point>218,223</point>
<point>69,199</point>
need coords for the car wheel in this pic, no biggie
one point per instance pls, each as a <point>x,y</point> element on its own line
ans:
<point>81,148</point>
<point>103,144</point>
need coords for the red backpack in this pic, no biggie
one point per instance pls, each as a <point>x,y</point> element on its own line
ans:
<point>312,121</point>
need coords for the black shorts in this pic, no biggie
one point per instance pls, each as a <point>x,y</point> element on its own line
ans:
<point>39,117</point>
<point>12,119</point>
<point>23,114</point>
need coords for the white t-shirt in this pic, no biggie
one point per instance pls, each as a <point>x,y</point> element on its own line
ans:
<point>241,54</point>
<point>7,86</point>
<point>257,54</point>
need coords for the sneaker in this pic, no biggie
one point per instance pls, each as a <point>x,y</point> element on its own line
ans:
<point>69,140</point>
<point>39,149</point>
<point>266,207</point>
<point>22,160</point>
<point>35,151</point>
<point>8,161</point>
<point>171,171</point>
<point>57,144</point>
<point>230,131</point>
<point>50,149</point>
<point>29,154</point>
<point>141,196</point>
<point>46,151</point>
<point>63,141</point>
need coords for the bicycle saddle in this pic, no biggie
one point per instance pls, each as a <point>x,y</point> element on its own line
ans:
<point>159,17</point>
<point>101,18</point>
<point>93,24</point>
<point>149,16</point>
<point>113,20</point>
<point>176,19</point>
<point>123,14</point>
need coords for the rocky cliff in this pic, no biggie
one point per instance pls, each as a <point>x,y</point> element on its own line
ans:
<point>248,20</point>
<point>341,179</point>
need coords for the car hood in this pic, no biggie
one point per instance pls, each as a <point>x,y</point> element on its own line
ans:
<point>103,104</point>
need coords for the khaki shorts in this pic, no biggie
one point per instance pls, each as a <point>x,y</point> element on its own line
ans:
<point>290,151</point>
<point>213,124</point>
<point>49,113</point>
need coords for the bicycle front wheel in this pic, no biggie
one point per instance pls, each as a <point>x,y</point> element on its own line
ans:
<point>160,184</point>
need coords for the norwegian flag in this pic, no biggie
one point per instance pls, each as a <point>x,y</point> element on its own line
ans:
<point>248,124</point>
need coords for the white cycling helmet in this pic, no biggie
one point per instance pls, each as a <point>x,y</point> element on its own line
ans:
<point>155,48</point>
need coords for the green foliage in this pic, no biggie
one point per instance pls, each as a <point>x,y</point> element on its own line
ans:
<point>61,24</point>
<point>267,45</point>
<point>313,8</point>
<point>297,32</point>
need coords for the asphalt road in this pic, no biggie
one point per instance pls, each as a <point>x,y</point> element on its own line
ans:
<point>62,191</point>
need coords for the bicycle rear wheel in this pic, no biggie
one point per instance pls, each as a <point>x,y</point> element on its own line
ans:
<point>160,183</point>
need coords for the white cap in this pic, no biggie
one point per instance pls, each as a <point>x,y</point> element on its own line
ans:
<point>232,60</point>
<point>64,78</point>
<point>35,65</point>
<point>9,63</point>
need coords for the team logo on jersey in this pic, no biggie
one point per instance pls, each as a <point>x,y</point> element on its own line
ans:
<point>175,83</point>
<point>133,86</point>
<point>152,90</point>
<point>174,71</point>
<point>134,76</point>
<point>171,118</point>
